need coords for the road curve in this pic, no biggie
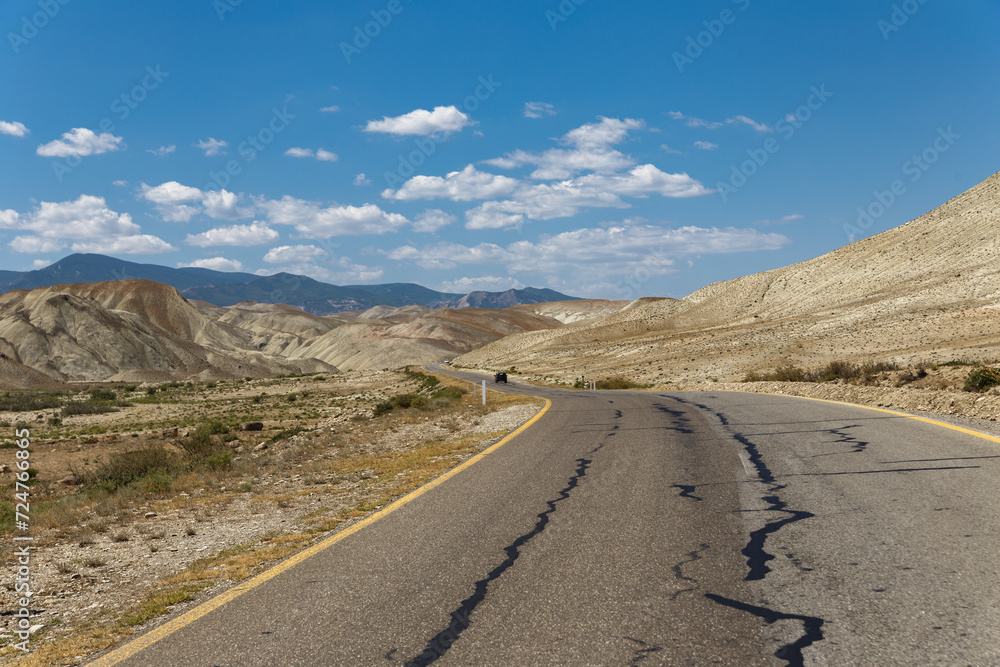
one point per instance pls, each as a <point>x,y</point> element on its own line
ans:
<point>629,528</point>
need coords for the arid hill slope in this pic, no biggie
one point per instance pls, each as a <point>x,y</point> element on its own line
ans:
<point>927,289</point>
<point>130,330</point>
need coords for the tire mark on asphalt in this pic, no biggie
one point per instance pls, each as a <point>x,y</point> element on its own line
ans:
<point>438,645</point>
<point>790,653</point>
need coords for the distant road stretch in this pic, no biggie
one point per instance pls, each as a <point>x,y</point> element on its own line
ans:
<point>636,528</point>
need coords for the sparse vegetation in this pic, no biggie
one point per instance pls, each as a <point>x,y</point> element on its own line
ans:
<point>25,401</point>
<point>982,379</point>
<point>866,373</point>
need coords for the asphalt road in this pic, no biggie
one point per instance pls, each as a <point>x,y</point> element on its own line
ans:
<point>633,528</point>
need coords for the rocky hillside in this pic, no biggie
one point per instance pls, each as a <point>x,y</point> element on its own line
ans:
<point>929,289</point>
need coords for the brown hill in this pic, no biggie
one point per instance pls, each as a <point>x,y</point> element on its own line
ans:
<point>928,289</point>
<point>131,330</point>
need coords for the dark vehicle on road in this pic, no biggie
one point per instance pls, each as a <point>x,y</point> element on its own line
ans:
<point>500,377</point>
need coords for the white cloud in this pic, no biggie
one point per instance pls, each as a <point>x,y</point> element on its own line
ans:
<point>573,260</point>
<point>212,146</point>
<point>80,142</point>
<point>667,149</point>
<point>538,109</point>
<point>446,255</point>
<point>139,244</point>
<point>481,283</point>
<point>320,154</point>
<point>782,220</point>
<point>13,128</point>
<point>35,245</point>
<point>224,205</point>
<point>120,183</point>
<point>462,185</point>
<point>215,264</point>
<point>172,200</point>
<point>442,120</point>
<point>40,263</point>
<point>361,179</point>
<point>171,192</point>
<point>314,221</point>
<point>330,109</point>
<point>86,218</point>
<point>257,233</point>
<point>9,219</point>
<point>162,150</point>
<point>692,121</point>
<point>705,145</point>
<point>590,150</point>
<point>759,127</point>
<point>288,254</point>
<point>432,220</point>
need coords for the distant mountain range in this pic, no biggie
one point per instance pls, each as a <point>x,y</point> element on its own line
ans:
<point>225,289</point>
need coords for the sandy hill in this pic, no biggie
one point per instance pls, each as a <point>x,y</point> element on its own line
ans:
<point>132,330</point>
<point>928,289</point>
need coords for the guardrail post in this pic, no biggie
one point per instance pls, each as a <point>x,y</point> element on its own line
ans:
<point>484,392</point>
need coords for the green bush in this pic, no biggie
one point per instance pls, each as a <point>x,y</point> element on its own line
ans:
<point>103,395</point>
<point>86,408</point>
<point>982,378</point>
<point>11,401</point>
<point>618,382</point>
<point>123,468</point>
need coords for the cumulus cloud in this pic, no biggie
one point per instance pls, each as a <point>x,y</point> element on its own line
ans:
<point>288,254</point>
<point>571,260</point>
<point>215,264</point>
<point>705,145</point>
<point>432,220</point>
<point>225,205</point>
<point>212,146</point>
<point>538,109</point>
<point>313,220</point>
<point>442,120</point>
<point>335,270</point>
<point>361,179</point>
<point>464,185</point>
<point>139,244</point>
<point>257,233</point>
<point>13,128</point>
<point>35,245</point>
<point>81,142</point>
<point>162,150</point>
<point>173,200</point>
<point>320,154</point>
<point>589,149</point>
<point>330,109</point>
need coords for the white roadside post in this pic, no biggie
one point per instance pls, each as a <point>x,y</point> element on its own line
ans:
<point>484,392</point>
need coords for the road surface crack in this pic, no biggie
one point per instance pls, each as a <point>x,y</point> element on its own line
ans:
<point>790,653</point>
<point>461,618</point>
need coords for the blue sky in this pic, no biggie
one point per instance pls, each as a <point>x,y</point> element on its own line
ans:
<point>602,149</point>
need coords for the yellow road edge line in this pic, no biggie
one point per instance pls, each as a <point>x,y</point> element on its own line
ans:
<point>148,639</point>
<point>984,436</point>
